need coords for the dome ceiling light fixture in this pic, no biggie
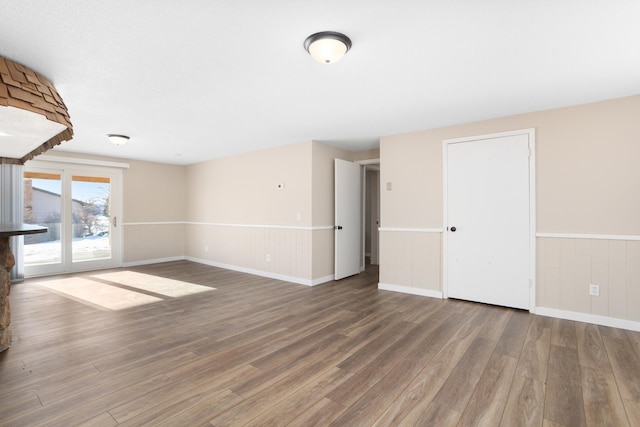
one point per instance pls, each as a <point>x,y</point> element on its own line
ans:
<point>118,139</point>
<point>327,47</point>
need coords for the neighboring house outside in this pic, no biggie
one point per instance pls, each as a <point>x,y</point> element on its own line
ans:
<point>43,207</point>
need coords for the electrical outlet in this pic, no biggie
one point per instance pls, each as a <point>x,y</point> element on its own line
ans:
<point>268,258</point>
<point>206,248</point>
<point>594,290</point>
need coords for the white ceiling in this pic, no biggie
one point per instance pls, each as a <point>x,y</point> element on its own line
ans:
<point>190,81</point>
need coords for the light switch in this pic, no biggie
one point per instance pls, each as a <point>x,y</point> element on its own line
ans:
<point>388,186</point>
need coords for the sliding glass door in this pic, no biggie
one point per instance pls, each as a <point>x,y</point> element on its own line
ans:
<point>80,207</point>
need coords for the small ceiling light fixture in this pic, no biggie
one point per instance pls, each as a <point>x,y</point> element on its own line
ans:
<point>327,47</point>
<point>118,139</point>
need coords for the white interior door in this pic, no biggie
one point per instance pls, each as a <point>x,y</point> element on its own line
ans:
<point>347,219</point>
<point>488,220</point>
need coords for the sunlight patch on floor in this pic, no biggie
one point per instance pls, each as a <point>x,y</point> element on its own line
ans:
<point>94,291</point>
<point>97,293</point>
<point>155,284</point>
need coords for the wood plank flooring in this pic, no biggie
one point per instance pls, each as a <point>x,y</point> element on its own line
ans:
<point>260,352</point>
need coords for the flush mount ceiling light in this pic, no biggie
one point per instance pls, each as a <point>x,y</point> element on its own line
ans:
<point>327,47</point>
<point>118,139</point>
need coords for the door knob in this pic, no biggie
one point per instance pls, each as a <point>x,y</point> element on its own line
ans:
<point>453,229</point>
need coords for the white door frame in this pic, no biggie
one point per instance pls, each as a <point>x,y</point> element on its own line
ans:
<point>532,207</point>
<point>368,164</point>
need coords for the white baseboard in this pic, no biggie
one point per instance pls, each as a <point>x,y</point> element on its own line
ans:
<point>262,273</point>
<point>269,274</point>
<point>153,261</point>
<point>322,280</point>
<point>589,318</point>
<point>410,290</point>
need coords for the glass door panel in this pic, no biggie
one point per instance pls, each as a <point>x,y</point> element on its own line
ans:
<point>91,218</point>
<point>43,206</point>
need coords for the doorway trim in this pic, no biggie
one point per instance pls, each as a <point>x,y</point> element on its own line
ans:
<point>368,164</point>
<point>530,132</point>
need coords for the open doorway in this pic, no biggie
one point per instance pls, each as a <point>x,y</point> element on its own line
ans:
<point>371,210</point>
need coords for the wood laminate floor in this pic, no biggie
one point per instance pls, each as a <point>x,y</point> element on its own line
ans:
<point>147,347</point>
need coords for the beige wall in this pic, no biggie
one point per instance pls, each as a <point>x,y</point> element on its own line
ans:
<point>365,155</point>
<point>228,199</point>
<point>242,189</point>
<point>586,168</point>
<point>154,211</point>
<point>238,218</point>
<point>412,165</point>
<point>154,192</point>
<point>587,172</point>
<point>587,164</point>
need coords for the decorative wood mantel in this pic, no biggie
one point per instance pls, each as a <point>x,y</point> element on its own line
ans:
<point>7,262</point>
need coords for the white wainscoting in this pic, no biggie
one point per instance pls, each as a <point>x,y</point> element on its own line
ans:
<point>411,260</point>
<point>296,254</point>
<point>567,266</point>
<point>151,242</point>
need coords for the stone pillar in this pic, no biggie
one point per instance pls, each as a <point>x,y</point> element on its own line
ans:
<point>6,264</point>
